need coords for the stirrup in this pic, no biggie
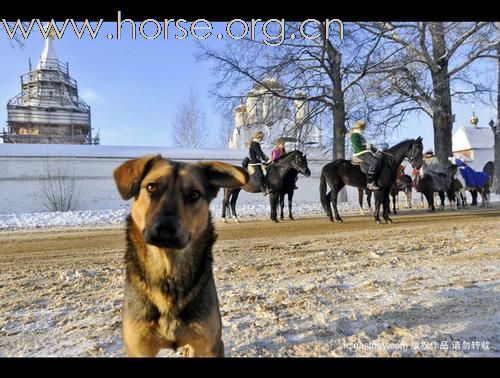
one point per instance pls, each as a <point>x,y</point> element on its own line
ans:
<point>372,186</point>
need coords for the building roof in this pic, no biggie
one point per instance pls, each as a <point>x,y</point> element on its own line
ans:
<point>467,138</point>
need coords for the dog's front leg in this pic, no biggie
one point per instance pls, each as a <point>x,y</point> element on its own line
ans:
<point>138,340</point>
<point>201,349</point>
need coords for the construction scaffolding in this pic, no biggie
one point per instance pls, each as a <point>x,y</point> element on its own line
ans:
<point>48,109</point>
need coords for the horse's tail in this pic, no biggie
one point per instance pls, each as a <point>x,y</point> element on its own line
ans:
<point>322,191</point>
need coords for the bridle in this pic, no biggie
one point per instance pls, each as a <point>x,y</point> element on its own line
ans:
<point>413,153</point>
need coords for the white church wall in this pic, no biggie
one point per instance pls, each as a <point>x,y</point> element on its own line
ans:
<point>481,157</point>
<point>22,172</point>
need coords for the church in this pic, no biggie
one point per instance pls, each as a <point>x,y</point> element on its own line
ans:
<point>263,109</point>
<point>48,110</point>
<point>474,144</point>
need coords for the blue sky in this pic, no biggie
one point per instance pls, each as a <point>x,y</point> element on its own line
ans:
<point>134,86</point>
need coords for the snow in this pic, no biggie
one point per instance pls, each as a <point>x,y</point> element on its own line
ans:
<point>254,210</point>
<point>15,221</point>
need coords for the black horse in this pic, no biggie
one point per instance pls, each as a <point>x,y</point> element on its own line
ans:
<point>342,172</point>
<point>280,179</point>
<point>403,184</point>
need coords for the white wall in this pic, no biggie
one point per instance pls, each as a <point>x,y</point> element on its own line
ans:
<point>20,179</point>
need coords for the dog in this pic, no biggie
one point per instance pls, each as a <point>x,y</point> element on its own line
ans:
<point>170,295</point>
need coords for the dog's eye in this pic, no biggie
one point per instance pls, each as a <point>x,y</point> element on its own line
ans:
<point>193,196</point>
<point>152,187</point>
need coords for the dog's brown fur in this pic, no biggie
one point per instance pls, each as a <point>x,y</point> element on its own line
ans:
<point>170,295</point>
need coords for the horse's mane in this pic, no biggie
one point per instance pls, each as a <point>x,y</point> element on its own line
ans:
<point>396,146</point>
<point>489,168</point>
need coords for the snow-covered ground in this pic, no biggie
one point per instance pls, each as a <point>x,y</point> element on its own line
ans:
<point>33,220</point>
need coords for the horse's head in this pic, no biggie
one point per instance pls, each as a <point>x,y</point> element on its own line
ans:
<point>299,162</point>
<point>415,153</point>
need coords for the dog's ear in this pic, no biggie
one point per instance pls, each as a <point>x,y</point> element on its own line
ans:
<point>129,175</point>
<point>224,175</point>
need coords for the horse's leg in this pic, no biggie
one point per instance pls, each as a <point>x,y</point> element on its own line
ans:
<point>282,205</point>
<point>394,196</point>
<point>408,193</point>
<point>361,193</point>
<point>474,197</point>
<point>273,202</point>
<point>386,206</point>
<point>441,197</point>
<point>234,198</point>
<point>484,200</point>
<point>430,201</point>
<point>369,199</point>
<point>290,198</point>
<point>335,192</point>
<point>328,204</point>
<point>376,212</point>
<point>225,201</point>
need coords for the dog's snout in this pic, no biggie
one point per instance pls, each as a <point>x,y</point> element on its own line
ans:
<point>166,232</point>
<point>166,227</point>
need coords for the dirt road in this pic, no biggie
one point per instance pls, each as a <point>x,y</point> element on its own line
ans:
<point>427,285</point>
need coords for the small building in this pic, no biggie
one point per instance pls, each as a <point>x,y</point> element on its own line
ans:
<point>475,143</point>
<point>263,109</point>
<point>48,109</point>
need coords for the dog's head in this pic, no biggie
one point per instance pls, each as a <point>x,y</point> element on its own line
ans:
<point>171,199</point>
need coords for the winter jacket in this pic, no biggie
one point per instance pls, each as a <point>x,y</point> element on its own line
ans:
<point>359,144</point>
<point>256,154</point>
<point>277,153</point>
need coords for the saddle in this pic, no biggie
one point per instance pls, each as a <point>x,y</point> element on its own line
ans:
<point>362,165</point>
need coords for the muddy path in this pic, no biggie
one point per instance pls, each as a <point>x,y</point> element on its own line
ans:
<point>301,288</point>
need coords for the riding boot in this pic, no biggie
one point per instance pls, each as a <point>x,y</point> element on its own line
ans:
<point>264,189</point>
<point>371,182</point>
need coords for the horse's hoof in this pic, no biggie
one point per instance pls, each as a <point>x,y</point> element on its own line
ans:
<point>275,221</point>
<point>292,218</point>
<point>378,222</point>
<point>224,220</point>
<point>236,220</point>
<point>389,220</point>
<point>330,219</point>
<point>339,221</point>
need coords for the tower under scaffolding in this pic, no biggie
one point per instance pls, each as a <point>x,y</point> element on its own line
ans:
<point>48,109</point>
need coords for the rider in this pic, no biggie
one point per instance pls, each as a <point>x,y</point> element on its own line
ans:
<point>279,151</point>
<point>258,157</point>
<point>366,152</point>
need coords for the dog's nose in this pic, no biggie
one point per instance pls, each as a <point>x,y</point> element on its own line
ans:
<point>166,228</point>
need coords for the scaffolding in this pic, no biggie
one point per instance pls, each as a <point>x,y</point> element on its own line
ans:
<point>48,109</point>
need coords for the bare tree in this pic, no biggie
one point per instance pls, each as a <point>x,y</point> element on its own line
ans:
<point>190,127</point>
<point>225,130</point>
<point>432,67</point>
<point>58,189</point>
<point>328,69</point>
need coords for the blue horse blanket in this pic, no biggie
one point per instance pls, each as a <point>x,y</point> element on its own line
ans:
<point>472,178</point>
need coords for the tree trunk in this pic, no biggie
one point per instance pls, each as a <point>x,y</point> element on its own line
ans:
<point>339,132</point>
<point>442,117</point>
<point>496,131</point>
<point>338,115</point>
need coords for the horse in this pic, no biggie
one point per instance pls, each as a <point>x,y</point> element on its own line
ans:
<point>438,180</point>
<point>475,182</point>
<point>403,184</point>
<point>343,172</point>
<point>280,179</point>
